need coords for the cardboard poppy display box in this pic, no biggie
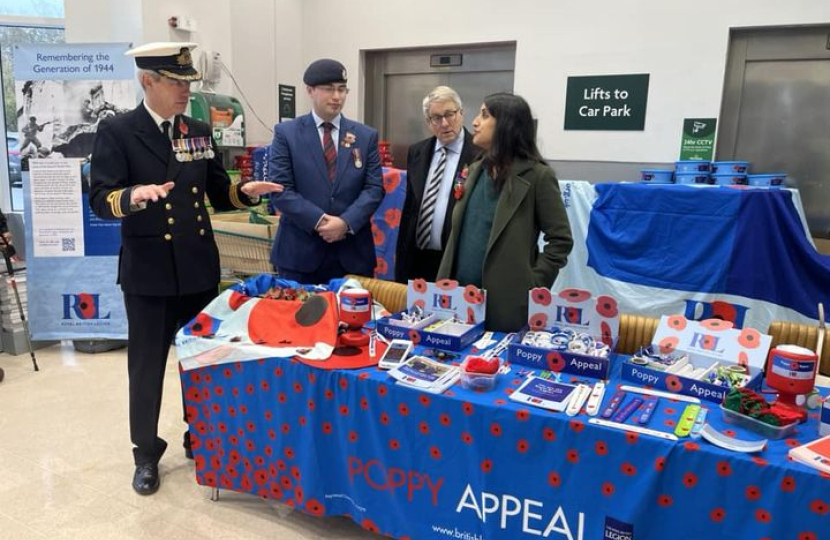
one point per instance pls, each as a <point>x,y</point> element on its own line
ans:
<point>440,302</point>
<point>706,343</point>
<point>573,309</point>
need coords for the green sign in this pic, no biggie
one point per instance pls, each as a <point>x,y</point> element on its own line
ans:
<point>698,139</point>
<point>607,102</point>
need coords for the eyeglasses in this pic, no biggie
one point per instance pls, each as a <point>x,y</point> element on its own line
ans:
<point>329,89</point>
<point>436,119</point>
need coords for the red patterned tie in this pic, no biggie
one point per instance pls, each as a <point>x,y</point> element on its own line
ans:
<point>329,151</point>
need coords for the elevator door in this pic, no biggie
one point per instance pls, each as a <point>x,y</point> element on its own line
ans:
<point>776,111</point>
<point>398,81</point>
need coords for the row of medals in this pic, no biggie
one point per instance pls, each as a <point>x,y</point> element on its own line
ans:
<point>193,149</point>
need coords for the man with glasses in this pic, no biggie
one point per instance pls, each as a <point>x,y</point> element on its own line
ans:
<point>330,169</point>
<point>151,168</point>
<point>435,176</point>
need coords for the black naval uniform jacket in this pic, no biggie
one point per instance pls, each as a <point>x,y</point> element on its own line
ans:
<point>167,248</point>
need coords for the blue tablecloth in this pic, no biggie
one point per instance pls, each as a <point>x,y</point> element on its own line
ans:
<point>478,466</point>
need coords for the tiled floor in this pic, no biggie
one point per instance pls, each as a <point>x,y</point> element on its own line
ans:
<point>66,465</point>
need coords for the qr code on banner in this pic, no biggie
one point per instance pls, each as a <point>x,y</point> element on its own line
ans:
<point>67,244</point>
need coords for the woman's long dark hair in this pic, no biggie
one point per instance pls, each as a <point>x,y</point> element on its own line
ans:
<point>514,138</point>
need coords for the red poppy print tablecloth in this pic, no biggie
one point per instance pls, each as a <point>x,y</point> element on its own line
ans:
<point>477,465</point>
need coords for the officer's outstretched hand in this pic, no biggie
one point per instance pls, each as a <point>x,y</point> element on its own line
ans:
<point>257,188</point>
<point>150,192</point>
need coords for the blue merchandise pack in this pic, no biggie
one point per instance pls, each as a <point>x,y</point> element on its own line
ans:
<point>443,315</point>
<point>700,358</point>
<point>568,332</point>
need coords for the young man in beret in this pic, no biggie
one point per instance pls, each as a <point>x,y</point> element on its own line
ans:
<point>151,168</point>
<point>330,169</point>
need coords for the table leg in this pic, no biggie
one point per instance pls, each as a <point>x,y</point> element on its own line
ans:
<point>214,494</point>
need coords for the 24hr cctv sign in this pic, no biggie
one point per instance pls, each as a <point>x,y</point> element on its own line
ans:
<point>607,102</point>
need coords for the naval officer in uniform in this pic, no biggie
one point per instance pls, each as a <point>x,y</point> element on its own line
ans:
<point>152,168</point>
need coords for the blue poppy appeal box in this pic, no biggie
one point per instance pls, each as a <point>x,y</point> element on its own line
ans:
<point>451,316</point>
<point>571,331</point>
<point>710,356</point>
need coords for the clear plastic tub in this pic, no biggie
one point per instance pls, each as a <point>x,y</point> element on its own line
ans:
<point>770,432</point>
<point>481,382</point>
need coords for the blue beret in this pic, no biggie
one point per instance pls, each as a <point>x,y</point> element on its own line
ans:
<point>324,71</point>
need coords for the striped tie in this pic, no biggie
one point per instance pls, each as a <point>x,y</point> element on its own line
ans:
<point>329,151</point>
<point>424,229</point>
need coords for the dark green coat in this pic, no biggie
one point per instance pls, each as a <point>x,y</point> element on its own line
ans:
<point>529,203</point>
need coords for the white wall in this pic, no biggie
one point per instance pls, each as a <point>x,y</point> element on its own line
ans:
<point>682,45</point>
<point>267,42</point>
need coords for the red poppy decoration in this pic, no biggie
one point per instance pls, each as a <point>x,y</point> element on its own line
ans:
<point>237,299</point>
<point>392,217</point>
<point>554,479</point>
<point>717,515</point>
<point>668,345</point>
<point>445,301</point>
<point>202,326</point>
<point>414,337</point>
<point>458,191</point>
<point>182,127</point>
<point>574,295</point>
<point>377,235</point>
<point>381,266</point>
<point>607,307</point>
<point>473,294</point>
<point>750,338</point>
<point>391,181</point>
<point>606,335</point>
<point>314,507</point>
<point>471,316</point>
<point>556,362</point>
<point>87,306</point>
<point>716,325</point>
<point>541,296</point>
<point>419,286</point>
<point>446,284</point>
<point>673,383</point>
<point>677,322</point>
<point>538,321</point>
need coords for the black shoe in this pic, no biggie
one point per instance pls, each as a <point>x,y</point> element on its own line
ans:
<point>146,479</point>
<point>188,451</point>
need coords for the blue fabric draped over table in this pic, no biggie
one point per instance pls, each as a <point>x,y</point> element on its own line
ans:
<point>479,466</point>
<point>742,255</point>
<point>740,242</point>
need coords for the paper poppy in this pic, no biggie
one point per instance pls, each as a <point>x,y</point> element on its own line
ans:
<point>541,296</point>
<point>677,322</point>
<point>606,335</point>
<point>419,286</point>
<point>446,284</point>
<point>445,301</point>
<point>716,325</point>
<point>414,337</point>
<point>574,295</point>
<point>607,306</point>
<point>473,294</point>
<point>668,344</point>
<point>538,321</point>
<point>749,338</point>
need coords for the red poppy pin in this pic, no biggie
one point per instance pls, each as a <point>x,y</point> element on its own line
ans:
<point>460,180</point>
<point>182,127</point>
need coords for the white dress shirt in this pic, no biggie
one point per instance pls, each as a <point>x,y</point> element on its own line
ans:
<point>444,194</point>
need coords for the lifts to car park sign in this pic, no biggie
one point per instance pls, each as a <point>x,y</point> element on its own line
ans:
<point>607,102</point>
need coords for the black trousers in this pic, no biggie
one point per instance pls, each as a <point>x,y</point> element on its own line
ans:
<point>153,322</point>
<point>328,270</point>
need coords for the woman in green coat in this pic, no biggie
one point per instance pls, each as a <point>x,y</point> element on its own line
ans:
<point>509,197</point>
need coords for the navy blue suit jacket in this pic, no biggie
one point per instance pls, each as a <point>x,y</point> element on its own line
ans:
<point>297,163</point>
